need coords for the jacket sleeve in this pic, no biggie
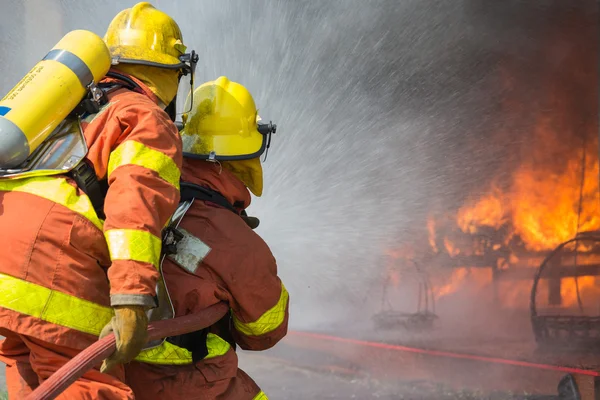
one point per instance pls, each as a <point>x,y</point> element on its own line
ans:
<point>260,302</point>
<point>143,172</point>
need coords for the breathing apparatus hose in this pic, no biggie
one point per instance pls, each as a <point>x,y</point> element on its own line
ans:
<point>94,354</point>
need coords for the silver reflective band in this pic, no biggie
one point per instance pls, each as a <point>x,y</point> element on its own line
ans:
<point>190,251</point>
<point>74,63</point>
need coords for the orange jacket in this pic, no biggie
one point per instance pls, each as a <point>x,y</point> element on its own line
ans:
<point>65,260</point>
<point>240,270</point>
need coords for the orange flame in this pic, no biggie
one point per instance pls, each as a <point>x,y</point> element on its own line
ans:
<point>458,276</point>
<point>546,200</point>
<point>451,248</point>
<point>541,207</point>
<point>431,233</point>
<point>488,211</point>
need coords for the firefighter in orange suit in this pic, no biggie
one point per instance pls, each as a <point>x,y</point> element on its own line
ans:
<point>70,270</point>
<point>219,258</point>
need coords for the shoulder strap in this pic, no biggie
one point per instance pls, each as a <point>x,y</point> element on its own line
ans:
<point>84,174</point>
<point>192,191</point>
<point>85,177</point>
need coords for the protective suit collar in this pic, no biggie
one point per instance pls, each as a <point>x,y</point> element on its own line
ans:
<point>215,177</point>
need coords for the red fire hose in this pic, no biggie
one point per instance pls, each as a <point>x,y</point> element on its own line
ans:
<point>103,348</point>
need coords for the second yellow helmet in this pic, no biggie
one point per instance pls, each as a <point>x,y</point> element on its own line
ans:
<point>224,124</point>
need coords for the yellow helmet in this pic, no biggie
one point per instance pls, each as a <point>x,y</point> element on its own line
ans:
<point>223,123</point>
<point>144,35</point>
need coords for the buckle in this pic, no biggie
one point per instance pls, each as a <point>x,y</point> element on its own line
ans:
<point>171,238</point>
<point>190,60</point>
<point>266,129</point>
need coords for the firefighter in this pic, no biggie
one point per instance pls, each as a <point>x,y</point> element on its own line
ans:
<point>71,269</point>
<point>219,257</point>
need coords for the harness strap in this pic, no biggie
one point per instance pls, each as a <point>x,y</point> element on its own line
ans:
<point>84,174</point>
<point>85,177</point>
<point>191,191</point>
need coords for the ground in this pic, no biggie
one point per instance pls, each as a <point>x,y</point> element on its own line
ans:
<point>283,380</point>
<point>302,367</point>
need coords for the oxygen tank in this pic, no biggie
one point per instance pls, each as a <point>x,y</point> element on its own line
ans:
<point>48,93</point>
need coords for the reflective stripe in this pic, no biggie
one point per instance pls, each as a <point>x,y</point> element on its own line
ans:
<point>53,306</point>
<point>267,322</point>
<point>167,353</point>
<point>261,396</point>
<point>57,190</point>
<point>132,152</point>
<point>170,354</point>
<point>133,244</point>
<point>216,346</point>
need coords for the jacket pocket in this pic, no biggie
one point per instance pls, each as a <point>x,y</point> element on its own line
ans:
<point>86,238</point>
<point>219,368</point>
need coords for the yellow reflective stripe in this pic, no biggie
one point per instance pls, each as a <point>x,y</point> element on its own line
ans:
<point>216,346</point>
<point>133,244</point>
<point>57,190</point>
<point>261,396</point>
<point>53,306</point>
<point>166,353</point>
<point>267,322</point>
<point>135,153</point>
<point>170,354</point>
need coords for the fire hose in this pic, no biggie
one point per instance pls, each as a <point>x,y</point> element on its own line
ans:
<point>104,347</point>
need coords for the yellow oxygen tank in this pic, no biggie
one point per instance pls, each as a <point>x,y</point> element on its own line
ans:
<point>48,93</point>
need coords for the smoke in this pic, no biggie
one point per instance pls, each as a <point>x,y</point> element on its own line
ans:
<point>386,110</point>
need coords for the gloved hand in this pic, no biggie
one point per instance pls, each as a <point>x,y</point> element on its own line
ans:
<point>129,325</point>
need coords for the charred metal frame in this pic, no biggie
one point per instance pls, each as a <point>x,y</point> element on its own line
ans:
<point>560,331</point>
<point>423,318</point>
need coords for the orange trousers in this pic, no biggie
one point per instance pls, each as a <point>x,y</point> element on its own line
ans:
<point>205,381</point>
<point>30,361</point>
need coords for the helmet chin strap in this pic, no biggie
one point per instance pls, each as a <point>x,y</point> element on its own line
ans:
<point>171,108</point>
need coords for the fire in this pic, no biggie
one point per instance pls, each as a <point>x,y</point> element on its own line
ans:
<point>473,279</point>
<point>551,191</point>
<point>568,289</point>
<point>457,278</point>
<point>545,210</point>
<point>431,233</point>
<point>450,247</point>
<point>541,206</point>
<point>488,211</point>
<point>545,194</point>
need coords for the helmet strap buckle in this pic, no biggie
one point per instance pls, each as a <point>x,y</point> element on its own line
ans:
<point>267,130</point>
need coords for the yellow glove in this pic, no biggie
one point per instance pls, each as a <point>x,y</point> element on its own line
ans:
<point>129,325</point>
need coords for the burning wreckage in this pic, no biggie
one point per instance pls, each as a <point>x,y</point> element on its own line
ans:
<point>532,241</point>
